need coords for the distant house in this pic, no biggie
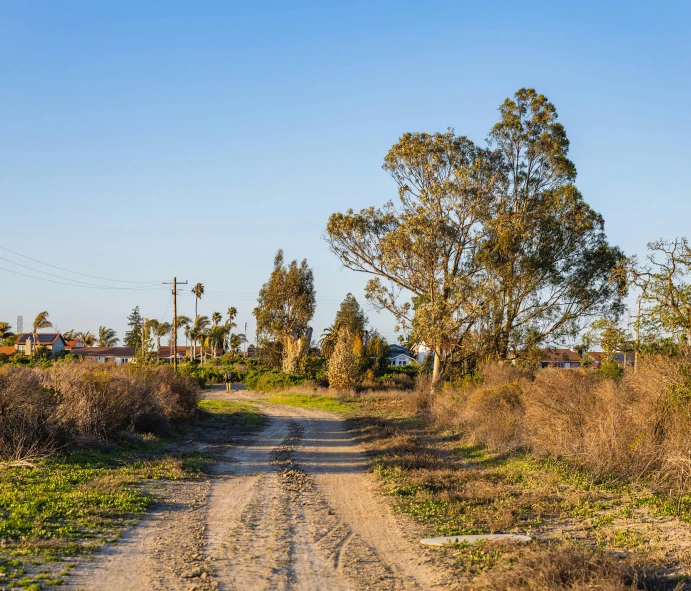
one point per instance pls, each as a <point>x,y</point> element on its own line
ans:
<point>565,358</point>
<point>166,352</point>
<point>117,355</point>
<point>9,351</point>
<point>569,358</point>
<point>400,356</point>
<point>52,341</point>
<point>73,344</point>
<point>402,360</point>
<point>598,357</point>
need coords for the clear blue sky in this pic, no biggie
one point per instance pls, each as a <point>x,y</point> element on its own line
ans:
<point>142,140</point>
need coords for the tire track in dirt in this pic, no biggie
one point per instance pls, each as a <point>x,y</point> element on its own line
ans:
<point>291,507</point>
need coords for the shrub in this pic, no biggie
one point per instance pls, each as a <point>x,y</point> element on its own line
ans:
<point>631,429</point>
<point>610,369</point>
<point>343,368</point>
<point>559,568</point>
<point>27,410</point>
<point>71,402</point>
<point>268,380</point>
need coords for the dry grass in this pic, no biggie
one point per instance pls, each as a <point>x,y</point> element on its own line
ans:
<point>41,409</point>
<point>559,568</point>
<point>633,430</point>
<point>577,461</point>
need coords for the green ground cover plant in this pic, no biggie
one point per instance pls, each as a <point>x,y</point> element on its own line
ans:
<point>72,502</point>
<point>315,401</point>
<point>271,380</point>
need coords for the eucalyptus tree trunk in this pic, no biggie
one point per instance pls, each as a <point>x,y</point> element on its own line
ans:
<point>437,373</point>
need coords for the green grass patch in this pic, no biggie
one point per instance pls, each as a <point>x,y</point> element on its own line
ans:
<point>327,403</point>
<point>71,504</point>
<point>224,412</point>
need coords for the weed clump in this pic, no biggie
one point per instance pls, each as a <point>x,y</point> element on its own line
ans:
<point>633,428</point>
<point>71,403</point>
<point>565,567</point>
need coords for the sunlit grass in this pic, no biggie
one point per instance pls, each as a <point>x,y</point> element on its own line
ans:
<point>326,403</point>
<point>237,414</point>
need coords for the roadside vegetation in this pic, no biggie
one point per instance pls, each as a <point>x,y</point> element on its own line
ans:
<point>489,259</point>
<point>85,450</point>
<point>594,468</point>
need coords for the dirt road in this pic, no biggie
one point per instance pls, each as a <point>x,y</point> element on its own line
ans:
<point>291,507</point>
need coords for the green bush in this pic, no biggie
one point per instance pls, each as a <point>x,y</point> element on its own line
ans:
<point>610,369</point>
<point>267,380</point>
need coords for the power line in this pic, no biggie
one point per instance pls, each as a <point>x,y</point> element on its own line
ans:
<point>75,281</point>
<point>77,285</point>
<point>166,308</point>
<point>74,272</point>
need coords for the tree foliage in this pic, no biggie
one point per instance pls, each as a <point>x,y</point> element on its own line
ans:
<point>285,306</point>
<point>351,316</point>
<point>5,332</point>
<point>107,337</point>
<point>545,250</point>
<point>665,289</point>
<point>133,337</point>
<point>87,338</point>
<point>343,368</point>
<point>487,248</point>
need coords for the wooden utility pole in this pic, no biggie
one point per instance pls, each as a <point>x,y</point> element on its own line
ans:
<point>175,319</point>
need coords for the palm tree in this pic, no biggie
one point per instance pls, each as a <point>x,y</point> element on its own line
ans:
<point>41,321</point>
<point>235,342</point>
<point>87,338</point>
<point>327,343</point>
<point>70,335</point>
<point>216,338</point>
<point>216,318</point>
<point>183,321</point>
<point>149,327</point>
<point>107,337</point>
<point>198,291</point>
<point>161,329</point>
<point>198,332</point>
<point>230,325</point>
<point>5,332</point>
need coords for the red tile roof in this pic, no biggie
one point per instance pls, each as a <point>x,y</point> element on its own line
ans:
<point>105,351</point>
<point>555,355</point>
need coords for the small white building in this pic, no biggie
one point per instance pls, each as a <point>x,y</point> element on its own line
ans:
<point>401,360</point>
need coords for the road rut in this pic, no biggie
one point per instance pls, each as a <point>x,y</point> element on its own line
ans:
<point>291,507</point>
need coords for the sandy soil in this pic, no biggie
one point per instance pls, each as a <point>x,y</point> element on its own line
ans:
<point>291,507</point>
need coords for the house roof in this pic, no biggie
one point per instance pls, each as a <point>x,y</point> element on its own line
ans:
<point>44,338</point>
<point>72,343</point>
<point>167,351</point>
<point>8,350</point>
<point>120,352</point>
<point>556,355</point>
<point>397,355</point>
